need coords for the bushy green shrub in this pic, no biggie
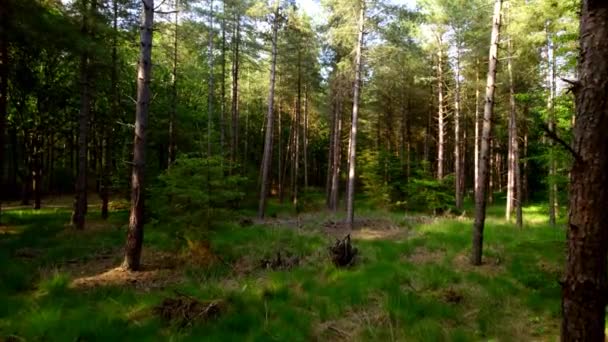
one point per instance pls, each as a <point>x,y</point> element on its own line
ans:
<point>196,191</point>
<point>426,193</point>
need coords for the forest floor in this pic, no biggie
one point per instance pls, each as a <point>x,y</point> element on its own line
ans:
<point>412,280</point>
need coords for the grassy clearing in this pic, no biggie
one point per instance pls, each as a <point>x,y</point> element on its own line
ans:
<point>412,286</point>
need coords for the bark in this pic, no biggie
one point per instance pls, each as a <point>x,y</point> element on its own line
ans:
<point>235,87</point>
<point>223,86</point>
<point>210,85</point>
<point>512,162</point>
<point>553,205</point>
<point>305,137</point>
<point>296,156</point>
<point>4,60</point>
<point>267,157</point>
<point>458,164</point>
<point>80,200</point>
<point>350,208</point>
<point>337,158</point>
<point>584,286</point>
<point>107,182</point>
<point>135,233</point>
<point>172,149</point>
<point>440,115</point>
<point>480,196</point>
<point>280,147</point>
<point>477,137</point>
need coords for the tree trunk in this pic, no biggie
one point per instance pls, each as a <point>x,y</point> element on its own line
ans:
<point>267,157</point>
<point>135,233</point>
<point>172,149</point>
<point>350,202</point>
<point>235,88</point>
<point>337,158</point>
<point>477,138</point>
<point>552,188</point>
<point>480,196</point>
<point>584,285</point>
<point>512,162</point>
<point>305,137</point>
<point>80,200</point>
<point>4,60</point>
<point>458,165</point>
<point>440,117</point>
<point>210,85</point>
<point>296,163</point>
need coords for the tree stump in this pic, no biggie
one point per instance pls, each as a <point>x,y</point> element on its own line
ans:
<point>343,253</point>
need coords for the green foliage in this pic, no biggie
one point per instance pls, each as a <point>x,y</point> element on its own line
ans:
<point>195,190</point>
<point>427,194</point>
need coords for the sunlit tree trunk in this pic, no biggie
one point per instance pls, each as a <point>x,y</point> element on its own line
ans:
<point>305,137</point>
<point>350,201</point>
<point>512,162</point>
<point>210,81</point>
<point>135,233</point>
<point>553,203</point>
<point>235,87</point>
<point>172,148</point>
<point>480,196</point>
<point>458,165</point>
<point>477,138</point>
<point>584,286</point>
<point>440,114</point>
<point>267,157</point>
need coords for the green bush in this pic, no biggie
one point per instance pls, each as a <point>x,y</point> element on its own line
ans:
<point>425,193</point>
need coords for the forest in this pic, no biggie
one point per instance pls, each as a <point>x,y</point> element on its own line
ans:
<point>303,170</point>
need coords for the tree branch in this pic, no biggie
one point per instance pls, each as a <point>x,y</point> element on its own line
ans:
<point>553,135</point>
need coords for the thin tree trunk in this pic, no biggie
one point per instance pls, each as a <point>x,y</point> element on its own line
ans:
<point>235,88</point>
<point>350,202</point>
<point>80,200</point>
<point>584,285</point>
<point>107,182</point>
<point>480,196</point>
<point>296,163</point>
<point>512,162</point>
<point>210,85</point>
<point>337,158</point>
<point>305,137</point>
<point>427,136</point>
<point>330,151</point>
<point>477,137</point>
<point>4,60</point>
<point>280,148</point>
<point>135,233</point>
<point>440,116</point>
<point>552,187</point>
<point>223,86</point>
<point>267,157</point>
<point>458,166</point>
<point>173,113</point>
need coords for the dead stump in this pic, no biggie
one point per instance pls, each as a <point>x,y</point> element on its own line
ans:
<point>343,253</point>
<point>184,311</point>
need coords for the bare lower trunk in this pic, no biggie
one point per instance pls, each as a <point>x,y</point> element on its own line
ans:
<point>172,148</point>
<point>458,166</point>
<point>235,88</point>
<point>350,201</point>
<point>512,162</point>
<point>135,233</point>
<point>267,158</point>
<point>337,158</point>
<point>4,23</point>
<point>480,196</point>
<point>80,200</point>
<point>440,116</point>
<point>477,138</point>
<point>584,286</point>
<point>552,187</point>
<point>210,83</point>
<point>296,156</point>
<point>305,137</point>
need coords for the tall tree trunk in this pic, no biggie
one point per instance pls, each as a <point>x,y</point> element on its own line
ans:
<point>296,163</point>
<point>458,165</point>
<point>80,200</point>
<point>235,87</point>
<point>480,196</point>
<point>107,182</point>
<point>337,158</point>
<point>584,286</point>
<point>427,136</point>
<point>440,116</point>
<point>223,86</point>
<point>4,60</point>
<point>552,188</point>
<point>173,113</point>
<point>280,147</point>
<point>477,137</point>
<point>267,157</point>
<point>210,85</point>
<point>135,233</point>
<point>512,162</point>
<point>305,137</point>
<point>330,150</point>
<point>350,201</point>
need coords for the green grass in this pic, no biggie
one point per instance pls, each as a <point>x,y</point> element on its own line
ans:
<point>417,288</point>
